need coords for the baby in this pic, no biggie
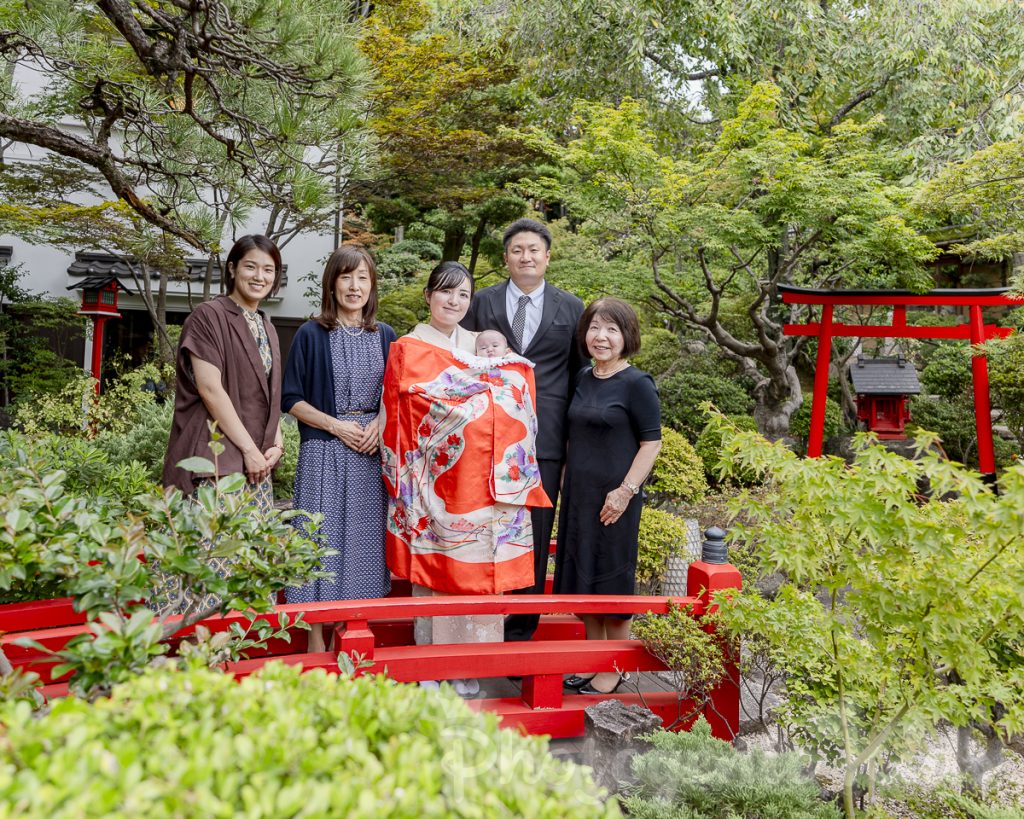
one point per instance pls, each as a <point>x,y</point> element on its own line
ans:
<point>491,344</point>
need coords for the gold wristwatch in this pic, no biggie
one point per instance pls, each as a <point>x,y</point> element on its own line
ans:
<point>632,487</point>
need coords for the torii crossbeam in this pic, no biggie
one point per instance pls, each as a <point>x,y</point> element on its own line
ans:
<point>975,331</point>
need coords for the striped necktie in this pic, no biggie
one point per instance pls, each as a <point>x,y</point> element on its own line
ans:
<point>519,321</point>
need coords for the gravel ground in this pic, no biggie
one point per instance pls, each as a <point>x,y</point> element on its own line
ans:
<point>927,772</point>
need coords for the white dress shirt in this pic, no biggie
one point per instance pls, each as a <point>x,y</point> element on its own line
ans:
<point>534,310</point>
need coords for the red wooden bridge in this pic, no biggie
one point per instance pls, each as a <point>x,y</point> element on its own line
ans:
<point>380,631</point>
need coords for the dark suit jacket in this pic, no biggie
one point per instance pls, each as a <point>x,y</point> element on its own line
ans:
<point>553,350</point>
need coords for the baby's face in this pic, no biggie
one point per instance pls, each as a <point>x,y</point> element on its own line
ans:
<point>491,345</point>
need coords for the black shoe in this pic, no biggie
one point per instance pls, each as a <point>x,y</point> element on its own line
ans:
<point>589,689</point>
<point>575,682</point>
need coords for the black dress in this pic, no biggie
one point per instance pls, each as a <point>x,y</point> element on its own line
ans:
<point>608,418</point>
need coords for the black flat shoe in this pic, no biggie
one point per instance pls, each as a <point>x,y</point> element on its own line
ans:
<point>575,682</point>
<point>589,689</point>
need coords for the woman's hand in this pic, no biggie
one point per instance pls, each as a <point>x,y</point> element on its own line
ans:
<point>349,433</point>
<point>371,436</point>
<point>274,454</point>
<point>615,504</point>
<point>256,466</point>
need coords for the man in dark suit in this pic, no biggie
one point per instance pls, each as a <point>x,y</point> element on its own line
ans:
<point>539,321</point>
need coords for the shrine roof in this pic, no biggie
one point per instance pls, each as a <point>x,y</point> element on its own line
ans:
<point>884,376</point>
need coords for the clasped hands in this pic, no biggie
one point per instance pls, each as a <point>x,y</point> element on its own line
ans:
<point>258,465</point>
<point>355,437</point>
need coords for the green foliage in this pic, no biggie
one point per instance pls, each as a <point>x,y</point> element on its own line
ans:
<point>948,371</point>
<point>281,743</point>
<point>77,410</point>
<point>659,352</point>
<point>284,475</point>
<point>402,305</point>
<point>683,392</point>
<point>981,194</point>
<point>397,264</point>
<point>887,598</point>
<point>421,248</point>
<point>800,421</point>
<point>28,365</point>
<point>1006,380</point>
<point>662,534</point>
<point>709,449</point>
<point>692,775</point>
<point>61,538</point>
<point>693,656</point>
<point>259,102</point>
<point>678,474</point>
<point>953,422</point>
<point>144,441</point>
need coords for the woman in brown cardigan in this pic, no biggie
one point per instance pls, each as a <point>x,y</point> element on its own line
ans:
<point>229,371</point>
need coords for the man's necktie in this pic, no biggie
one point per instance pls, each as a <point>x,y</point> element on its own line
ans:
<point>519,321</point>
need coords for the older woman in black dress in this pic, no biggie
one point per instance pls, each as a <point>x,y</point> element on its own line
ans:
<point>614,439</point>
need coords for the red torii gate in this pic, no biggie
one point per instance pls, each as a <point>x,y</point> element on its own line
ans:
<point>976,331</point>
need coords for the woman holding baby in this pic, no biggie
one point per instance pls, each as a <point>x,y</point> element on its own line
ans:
<point>459,458</point>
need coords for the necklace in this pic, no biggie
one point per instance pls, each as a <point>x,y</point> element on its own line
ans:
<point>618,369</point>
<point>347,330</point>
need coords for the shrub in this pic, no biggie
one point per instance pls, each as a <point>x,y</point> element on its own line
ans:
<point>682,394</point>
<point>280,743</point>
<point>426,250</point>
<point>662,534</point>
<point>693,775</point>
<point>678,474</point>
<point>875,647</point>
<point>953,422</point>
<point>145,441</point>
<point>709,449</point>
<point>284,475</point>
<point>60,541</point>
<point>401,265</point>
<point>1006,377</point>
<point>948,372</point>
<point>692,655</point>
<point>77,410</point>
<point>659,351</point>
<point>800,421</point>
<point>402,305</point>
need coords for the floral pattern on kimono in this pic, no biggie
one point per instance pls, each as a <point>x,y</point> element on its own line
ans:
<point>458,448</point>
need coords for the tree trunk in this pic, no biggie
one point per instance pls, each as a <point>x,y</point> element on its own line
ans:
<point>778,397</point>
<point>454,241</point>
<point>474,243</point>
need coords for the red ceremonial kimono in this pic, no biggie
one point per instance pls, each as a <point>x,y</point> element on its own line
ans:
<point>458,448</point>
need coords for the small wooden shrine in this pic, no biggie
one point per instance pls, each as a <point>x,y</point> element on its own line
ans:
<point>883,386</point>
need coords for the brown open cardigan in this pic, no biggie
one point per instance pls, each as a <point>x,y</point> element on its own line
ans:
<point>216,332</point>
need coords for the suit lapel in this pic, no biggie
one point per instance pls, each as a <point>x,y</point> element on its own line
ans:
<point>551,301</point>
<point>501,314</point>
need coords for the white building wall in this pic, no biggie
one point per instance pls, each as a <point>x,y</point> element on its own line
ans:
<point>45,267</point>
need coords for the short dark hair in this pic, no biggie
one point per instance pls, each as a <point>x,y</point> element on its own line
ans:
<point>344,260</point>
<point>526,226</point>
<point>619,313</point>
<point>237,253</point>
<point>447,275</point>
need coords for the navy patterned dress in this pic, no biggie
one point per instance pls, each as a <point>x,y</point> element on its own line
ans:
<point>344,486</point>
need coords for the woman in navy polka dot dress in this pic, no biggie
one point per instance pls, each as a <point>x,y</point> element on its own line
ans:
<point>332,385</point>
